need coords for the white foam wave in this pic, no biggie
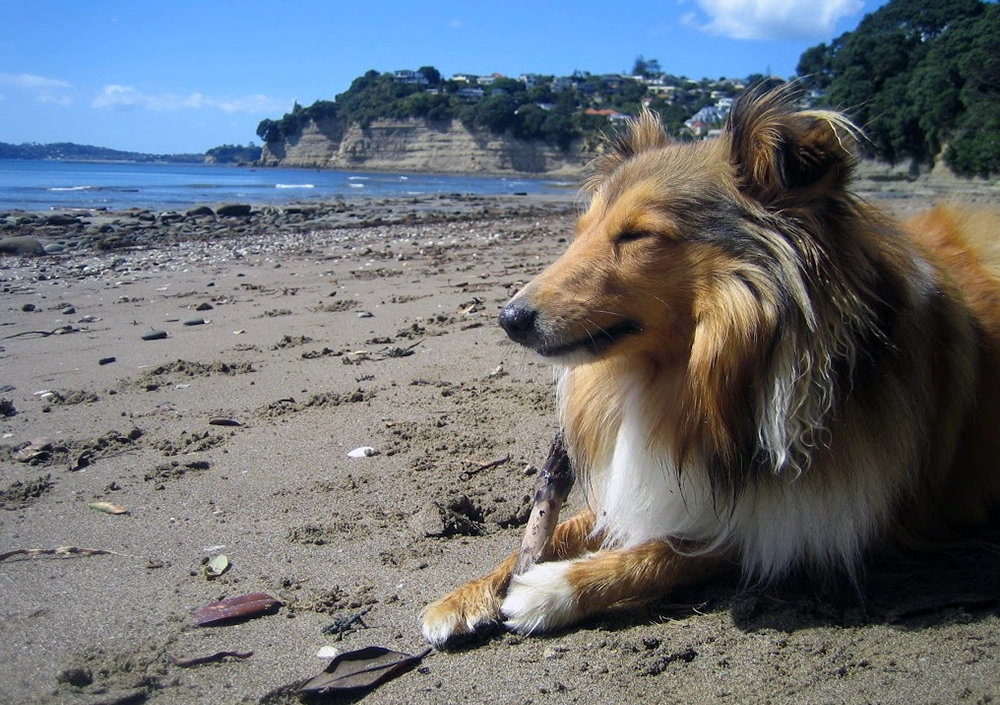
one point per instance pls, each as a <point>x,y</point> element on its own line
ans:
<point>70,188</point>
<point>294,186</point>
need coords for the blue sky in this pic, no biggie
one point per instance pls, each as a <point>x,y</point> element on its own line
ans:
<point>182,76</point>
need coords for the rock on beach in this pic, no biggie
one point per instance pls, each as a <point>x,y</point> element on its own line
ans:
<point>22,246</point>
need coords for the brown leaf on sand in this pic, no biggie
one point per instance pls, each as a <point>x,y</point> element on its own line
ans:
<point>237,608</point>
<point>364,668</point>
<point>199,660</point>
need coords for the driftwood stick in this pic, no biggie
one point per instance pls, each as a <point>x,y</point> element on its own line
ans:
<point>551,489</point>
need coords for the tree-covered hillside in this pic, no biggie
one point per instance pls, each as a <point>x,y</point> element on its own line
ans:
<point>920,77</point>
<point>557,110</point>
<point>234,154</point>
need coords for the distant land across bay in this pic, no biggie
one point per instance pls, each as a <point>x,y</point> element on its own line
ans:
<point>69,151</point>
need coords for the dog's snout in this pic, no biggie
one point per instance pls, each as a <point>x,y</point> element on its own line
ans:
<point>518,320</point>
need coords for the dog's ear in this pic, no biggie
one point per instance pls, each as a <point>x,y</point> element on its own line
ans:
<point>781,154</point>
<point>640,134</point>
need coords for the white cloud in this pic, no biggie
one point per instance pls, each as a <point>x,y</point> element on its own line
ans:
<point>44,90</point>
<point>773,19</point>
<point>117,97</point>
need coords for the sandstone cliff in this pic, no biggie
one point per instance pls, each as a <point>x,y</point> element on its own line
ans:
<point>416,145</point>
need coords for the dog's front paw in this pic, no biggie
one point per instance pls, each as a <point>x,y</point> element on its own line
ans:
<point>459,613</point>
<point>541,599</point>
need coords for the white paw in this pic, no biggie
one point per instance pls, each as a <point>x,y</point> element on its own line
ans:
<point>540,600</point>
<point>438,629</point>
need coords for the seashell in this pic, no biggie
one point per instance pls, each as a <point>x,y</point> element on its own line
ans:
<point>108,508</point>
<point>362,452</point>
<point>215,567</point>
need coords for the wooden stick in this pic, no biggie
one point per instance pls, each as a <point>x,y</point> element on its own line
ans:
<point>551,489</point>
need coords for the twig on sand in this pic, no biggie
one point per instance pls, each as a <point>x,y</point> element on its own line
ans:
<point>467,474</point>
<point>61,330</point>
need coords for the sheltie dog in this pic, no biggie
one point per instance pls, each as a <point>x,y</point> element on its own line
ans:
<point>757,371</point>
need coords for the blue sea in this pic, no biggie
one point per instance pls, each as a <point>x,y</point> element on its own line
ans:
<point>60,185</point>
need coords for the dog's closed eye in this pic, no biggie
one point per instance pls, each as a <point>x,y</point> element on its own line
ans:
<point>632,236</point>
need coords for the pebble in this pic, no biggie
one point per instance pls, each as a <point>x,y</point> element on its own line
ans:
<point>154,335</point>
<point>362,452</point>
<point>194,321</point>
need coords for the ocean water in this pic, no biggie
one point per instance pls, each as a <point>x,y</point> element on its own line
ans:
<point>58,185</point>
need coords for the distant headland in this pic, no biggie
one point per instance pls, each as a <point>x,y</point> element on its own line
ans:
<point>69,151</point>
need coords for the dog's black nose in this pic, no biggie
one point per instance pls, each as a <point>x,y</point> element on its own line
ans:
<point>518,319</point>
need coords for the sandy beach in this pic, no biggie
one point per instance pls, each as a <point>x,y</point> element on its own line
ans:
<point>293,337</point>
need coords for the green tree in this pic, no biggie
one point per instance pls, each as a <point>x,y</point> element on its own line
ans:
<point>898,73</point>
<point>432,75</point>
<point>646,69</point>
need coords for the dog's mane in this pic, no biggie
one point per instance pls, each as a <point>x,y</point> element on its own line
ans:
<point>783,340</point>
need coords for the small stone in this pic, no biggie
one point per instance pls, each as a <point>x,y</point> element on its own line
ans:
<point>76,677</point>
<point>554,652</point>
<point>154,335</point>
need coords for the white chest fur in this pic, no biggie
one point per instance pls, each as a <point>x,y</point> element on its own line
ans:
<point>819,519</point>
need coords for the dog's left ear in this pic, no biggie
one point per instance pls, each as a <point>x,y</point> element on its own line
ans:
<point>641,134</point>
<point>784,155</point>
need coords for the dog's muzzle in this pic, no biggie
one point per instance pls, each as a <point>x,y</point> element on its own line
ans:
<point>518,320</point>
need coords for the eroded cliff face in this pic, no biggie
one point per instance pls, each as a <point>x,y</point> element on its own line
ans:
<point>415,145</point>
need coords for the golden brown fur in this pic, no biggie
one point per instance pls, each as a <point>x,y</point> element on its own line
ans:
<point>758,369</point>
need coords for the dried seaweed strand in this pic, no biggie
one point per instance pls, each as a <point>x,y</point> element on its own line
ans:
<point>61,551</point>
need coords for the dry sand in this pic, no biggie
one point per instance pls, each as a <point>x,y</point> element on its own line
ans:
<point>430,382</point>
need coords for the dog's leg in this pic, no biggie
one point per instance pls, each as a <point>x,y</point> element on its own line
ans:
<point>552,595</point>
<point>477,603</point>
